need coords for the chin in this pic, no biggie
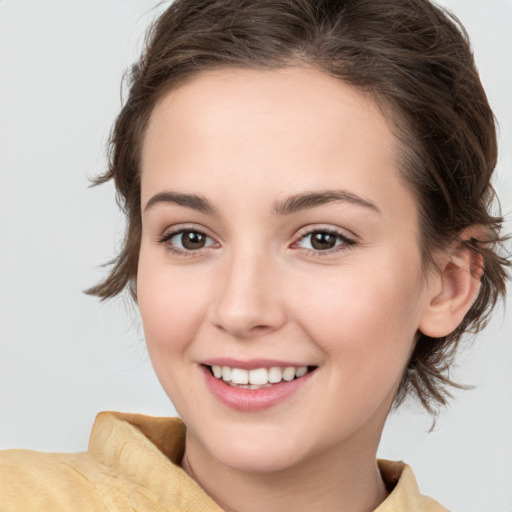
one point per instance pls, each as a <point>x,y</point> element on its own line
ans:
<point>255,448</point>
<point>258,459</point>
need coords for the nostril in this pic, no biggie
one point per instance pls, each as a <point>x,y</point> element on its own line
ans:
<point>260,328</point>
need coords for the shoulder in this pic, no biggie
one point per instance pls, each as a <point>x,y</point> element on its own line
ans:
<point>43,481</point>
<point>132,464</point>
<point>404,493</point>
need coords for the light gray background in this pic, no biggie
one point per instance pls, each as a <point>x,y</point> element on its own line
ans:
<point>64,356</point>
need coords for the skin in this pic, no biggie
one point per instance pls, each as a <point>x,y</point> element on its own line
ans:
<point>245,140</point>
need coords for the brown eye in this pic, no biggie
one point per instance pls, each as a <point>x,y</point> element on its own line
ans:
<point>188,240</point>
<point>321,241</point>
<point>192,240</point>
<point>324,241</point>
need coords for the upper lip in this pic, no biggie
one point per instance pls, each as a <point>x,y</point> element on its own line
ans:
<point>251,364</point>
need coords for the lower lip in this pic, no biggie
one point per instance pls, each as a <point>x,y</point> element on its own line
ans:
<point>249,400</point>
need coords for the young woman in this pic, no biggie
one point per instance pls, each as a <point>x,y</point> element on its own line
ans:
<point>307,186</point>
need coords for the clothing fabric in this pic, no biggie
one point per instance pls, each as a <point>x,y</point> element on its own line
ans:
<point>132,464</point>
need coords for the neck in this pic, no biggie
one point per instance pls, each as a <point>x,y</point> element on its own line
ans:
<point>342,479</point>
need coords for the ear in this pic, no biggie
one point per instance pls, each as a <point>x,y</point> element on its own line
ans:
<point>454,286</point>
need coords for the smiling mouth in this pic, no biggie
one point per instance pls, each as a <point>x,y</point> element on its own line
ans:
<point>258,378</point>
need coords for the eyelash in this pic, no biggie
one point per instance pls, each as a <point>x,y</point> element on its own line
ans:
<point>167,237</point>
<point>346,242</point>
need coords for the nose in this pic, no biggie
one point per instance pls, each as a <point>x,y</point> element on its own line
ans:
<point>249,301</point>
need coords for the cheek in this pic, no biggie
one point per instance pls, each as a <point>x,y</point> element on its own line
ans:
<point>364,322</point>
<point>171,305</point>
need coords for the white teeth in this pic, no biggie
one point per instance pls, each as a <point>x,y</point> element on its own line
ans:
<point>226,373</point>
<point>301,371</point>
<point>275,374</point>
<point>258,376</point>
<point>254,379</point>
<point>289,373</point>
<point>239,376</point>
<point>248,386</point>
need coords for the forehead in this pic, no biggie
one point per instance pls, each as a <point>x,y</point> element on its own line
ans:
<point>291,129</point>
<point>300,104</point>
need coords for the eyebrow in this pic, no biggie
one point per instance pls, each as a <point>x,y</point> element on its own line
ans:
<point>292,204</point>
<point>192,201</point>
<point>308,200</point>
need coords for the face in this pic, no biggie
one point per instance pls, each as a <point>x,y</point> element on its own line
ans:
<point>279,282</point>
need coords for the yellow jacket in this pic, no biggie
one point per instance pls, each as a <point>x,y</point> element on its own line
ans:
<point>132,465</point>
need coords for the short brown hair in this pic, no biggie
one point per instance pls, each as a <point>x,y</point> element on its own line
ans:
<point>413,58</point>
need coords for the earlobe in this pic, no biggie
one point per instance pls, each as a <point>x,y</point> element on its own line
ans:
<point>455,287</point>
